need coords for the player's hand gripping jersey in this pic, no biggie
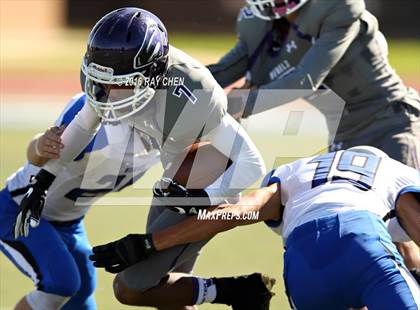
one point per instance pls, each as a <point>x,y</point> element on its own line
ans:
<point>341,181</point>
<point>334,43</point>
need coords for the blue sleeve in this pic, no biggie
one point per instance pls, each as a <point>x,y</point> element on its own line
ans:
<point>71,110</point>
<point>270,178</point>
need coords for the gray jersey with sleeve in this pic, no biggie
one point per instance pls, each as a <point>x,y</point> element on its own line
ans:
<point>191,104</point>
<point>335,43</point>
<point>187,105</point>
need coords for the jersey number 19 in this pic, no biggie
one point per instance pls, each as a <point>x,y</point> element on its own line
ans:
<point>355,168</point>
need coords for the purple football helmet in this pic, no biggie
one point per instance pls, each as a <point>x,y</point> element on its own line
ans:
<point>126,49</point>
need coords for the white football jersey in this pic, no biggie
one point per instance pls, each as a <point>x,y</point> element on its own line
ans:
<point>337,182</point>
<point>116,157</point>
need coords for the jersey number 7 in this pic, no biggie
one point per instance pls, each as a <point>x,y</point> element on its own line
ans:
<point>355,168</point>
<point>184,90</point>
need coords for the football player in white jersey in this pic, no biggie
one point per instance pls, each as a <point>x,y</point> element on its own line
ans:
<point>131,74</point>
<point>330,211</point>
<point>55,255</point>
<point>309,45</point>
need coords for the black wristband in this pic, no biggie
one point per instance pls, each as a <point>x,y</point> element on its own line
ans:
<point>45,178</point>
<point>144,244</point>
<point>149,245</point>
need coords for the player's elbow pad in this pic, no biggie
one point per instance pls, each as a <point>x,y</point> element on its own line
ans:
<point>397,233</point>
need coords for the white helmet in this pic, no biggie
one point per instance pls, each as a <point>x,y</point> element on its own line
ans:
<point>274,9</point>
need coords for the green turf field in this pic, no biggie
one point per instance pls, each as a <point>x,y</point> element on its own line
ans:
<point>243,250</point>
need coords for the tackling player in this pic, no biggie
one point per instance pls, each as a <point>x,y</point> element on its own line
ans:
<point>329,209</point>
<point>55,255</point>
<point>131,74</point>
<point>315,44</point>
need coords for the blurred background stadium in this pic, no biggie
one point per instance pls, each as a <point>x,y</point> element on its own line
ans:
<point>42,43</point>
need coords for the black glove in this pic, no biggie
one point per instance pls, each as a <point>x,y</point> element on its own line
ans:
<point>180,199</point>
<point>121,254</point>
<point>33,202</point>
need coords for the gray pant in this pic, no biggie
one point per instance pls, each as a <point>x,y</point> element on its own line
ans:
<point>148,273</point>
<point>395,130</point>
